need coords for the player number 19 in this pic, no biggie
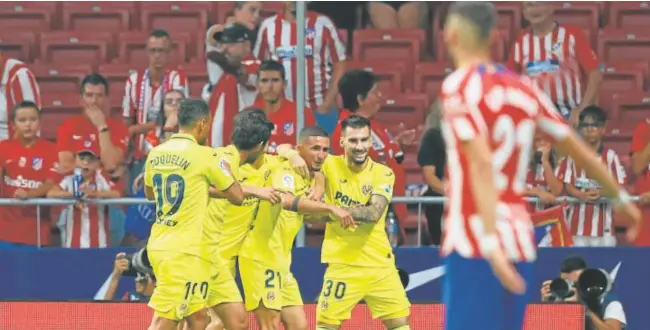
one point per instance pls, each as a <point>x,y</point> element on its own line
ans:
<point>512,136</point>
<point>169,191</point>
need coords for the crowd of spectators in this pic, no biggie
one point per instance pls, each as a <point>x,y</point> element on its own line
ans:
<point>252,61</point>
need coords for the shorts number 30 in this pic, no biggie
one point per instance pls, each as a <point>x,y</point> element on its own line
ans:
<point>339,289</point>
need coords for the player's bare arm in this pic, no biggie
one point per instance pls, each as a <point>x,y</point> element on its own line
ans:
<point>372,212</point>
<point>234,194</point>
<point>287,151</point>
<point>317,192</point>
<point>306,206</point>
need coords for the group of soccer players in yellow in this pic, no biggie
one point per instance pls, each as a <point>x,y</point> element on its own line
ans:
<point>217,209</point>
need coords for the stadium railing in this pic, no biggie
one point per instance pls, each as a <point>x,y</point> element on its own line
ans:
<point>38,202</point>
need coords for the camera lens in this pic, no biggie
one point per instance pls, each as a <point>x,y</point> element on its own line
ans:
<point>560,288</point>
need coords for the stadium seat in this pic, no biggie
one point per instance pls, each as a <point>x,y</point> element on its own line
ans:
<point>224,8</point>
<point>618,136</point>
<point>628,14</point>
<point>131,48</point>
<point>624,76</point>
<point>55,79</point>
<point>580,14</point>
<point>498,48</point>
<point>632,106</point>
<point>392,74</point>
<point>371,44</point>
<point>175,16</point>
<point>428,77</point>
<point>406,108</point>
<point>510,17</point>
<point>343,35</point>
<point>57,107</point>
<point>624,45</point>
<point>72,47</point>
<point>104,16</point>
<point>18,45</point>
<point>117,74</point>
<point>197,77</point>
<point>32,16</point>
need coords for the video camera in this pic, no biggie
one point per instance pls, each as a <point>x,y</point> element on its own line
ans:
<point>139,264</point>
<point>592,286</point>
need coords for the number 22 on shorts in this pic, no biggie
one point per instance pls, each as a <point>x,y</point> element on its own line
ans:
<point>169,194</point>
<point>338,288</point>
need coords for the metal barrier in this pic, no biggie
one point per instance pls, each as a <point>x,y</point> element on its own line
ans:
<point>38,202</point>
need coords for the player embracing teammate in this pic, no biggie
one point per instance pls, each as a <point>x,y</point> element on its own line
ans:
<point>490,117</point>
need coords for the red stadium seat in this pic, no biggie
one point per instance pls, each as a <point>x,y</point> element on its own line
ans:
<point>32,16</point>
<point>225,8</point>
<point>392,74</point>
<point>403,108</point>
<point>510,17</point>
<point>428,77</point>
<point>104,16</point>
<point>388,44</point>
<point>629,14</point>
<point>117,74</point>
<point>197,77</point>
<point>131,48</point>
<point>56,79</point>
<point>581,14</point>
<point>632,106</point>
<point>57,107</point>
<point>72,47</point>
<point>498,49</point>
<point>618,136</point>
<point>18,45</point>
<point>343,35</point>
<point>624,45</point>
<point>624,76</point>
<point>175,16</point>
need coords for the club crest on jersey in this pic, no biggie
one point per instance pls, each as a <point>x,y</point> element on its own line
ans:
<point>288,129</point>
<point>225,166</point>
<point>366,189</point>
<point>37,163</point>
<point>556,49</point>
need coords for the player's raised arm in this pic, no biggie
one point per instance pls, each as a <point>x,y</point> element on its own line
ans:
<point>222,183</point>
<point>568,143</point>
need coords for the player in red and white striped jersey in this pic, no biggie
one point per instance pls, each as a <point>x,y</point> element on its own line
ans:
<point>490,116</point>
<point>143,95</point>
<point>324,52</point>
<point>17,84</point>
<point>554,56</point>
<point>592,224</point>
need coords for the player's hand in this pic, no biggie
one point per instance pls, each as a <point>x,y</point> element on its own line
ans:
<point>316,194</point>
<point>299,165</point>
<point>546,290</point>
<point>269,194</point>
<point>344,217</point>
<point>21,194</point>
<point>546,197</point>
<point>506,272</point>
<point>121,264</point>
<point>632,212</point>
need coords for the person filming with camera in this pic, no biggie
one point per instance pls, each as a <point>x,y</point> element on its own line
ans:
<point>144,281</point>
<point>592,288</point>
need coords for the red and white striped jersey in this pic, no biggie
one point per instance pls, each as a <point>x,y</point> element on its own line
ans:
<point>143,98</point>
<point>88,226</point>
<point>505,108</point>
<point>554,62</point>
<point>592,219</point>
<point>17,84</point>
<point>536,179</point>
<point>277,40</point>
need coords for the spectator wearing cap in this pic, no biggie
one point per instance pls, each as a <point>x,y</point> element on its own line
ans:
<point>28,167</point>
<point>144,92</point>
<point>86,225</point>
<point>325,58</point>
<point>228,92</point>
<point>18,84</point>
<point>93,129</point>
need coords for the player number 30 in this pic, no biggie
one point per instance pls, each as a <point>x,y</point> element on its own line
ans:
<point>338,288</point>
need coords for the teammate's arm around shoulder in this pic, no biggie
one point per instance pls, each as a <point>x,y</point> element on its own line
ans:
<point>221,181</point>
<point>287,152</point>
<point>382,194</point>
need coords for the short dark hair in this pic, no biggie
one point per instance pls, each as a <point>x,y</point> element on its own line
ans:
<point>94,79</point>
<point>481,14</point>
<point>159,33</point>
<point>595,112</point>
<point>251,128</point>
<point>271,65</point>
<point>191,111</point>
<point>240,4</point>
<point>572,263</point>
<point>353,84</point>
<point>355,121</point>
<point>24,105</point>
<point>310,131</point>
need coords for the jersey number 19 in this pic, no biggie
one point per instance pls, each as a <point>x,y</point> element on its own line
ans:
<point>169,194</point>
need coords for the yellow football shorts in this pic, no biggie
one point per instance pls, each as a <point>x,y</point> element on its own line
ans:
<point>182,284</point>
<point>223,288</point>
<point>344,286</point>
<point>260,284</point>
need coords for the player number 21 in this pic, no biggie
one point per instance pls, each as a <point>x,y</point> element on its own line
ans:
<point>511,137</point>
<point>337,287</point>
<point>169,191</point>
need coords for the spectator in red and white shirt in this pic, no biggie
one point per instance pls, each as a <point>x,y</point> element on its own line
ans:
<point>28,167</point>
<point>93,126</point>
<point>17,84</point>
<point>592,223</point>
<point>324,52</point>
<point>280,111</point>
<point>86,225</point>
<point>143,95</point>
<point>553,55</point>
<point>541,179</point>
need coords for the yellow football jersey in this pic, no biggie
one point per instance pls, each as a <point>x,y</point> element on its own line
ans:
<point>180,171</point>
<point>274,229</point>
<point>229,223</point>
<point>368,244</point>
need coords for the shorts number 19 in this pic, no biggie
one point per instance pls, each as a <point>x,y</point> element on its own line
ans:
<point>169,191</point>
